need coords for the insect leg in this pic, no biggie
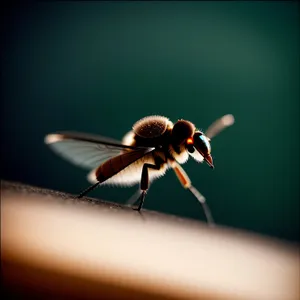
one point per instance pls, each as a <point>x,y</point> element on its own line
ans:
<point>186,183</point>
<point>145,182</point>
<point>88,190</point>
<point>134,198</point>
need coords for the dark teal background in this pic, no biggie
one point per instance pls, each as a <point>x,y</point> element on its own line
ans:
<point>100,66</point>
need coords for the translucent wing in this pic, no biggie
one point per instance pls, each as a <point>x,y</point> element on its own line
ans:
<point>86,150</point>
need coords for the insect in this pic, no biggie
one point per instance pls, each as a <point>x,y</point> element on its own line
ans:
<point>153,145</point>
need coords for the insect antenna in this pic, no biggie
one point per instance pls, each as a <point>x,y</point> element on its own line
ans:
<point>219,125</point>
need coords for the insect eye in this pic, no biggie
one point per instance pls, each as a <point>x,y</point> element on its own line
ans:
<point>190,141</point>
<point>202,143</point>
<point>190,145</point>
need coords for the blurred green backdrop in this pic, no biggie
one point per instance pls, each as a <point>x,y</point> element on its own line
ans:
<point>100,66</point>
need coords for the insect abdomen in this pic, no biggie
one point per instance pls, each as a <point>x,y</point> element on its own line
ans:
<point>109,168</point>
<point>116,164</point>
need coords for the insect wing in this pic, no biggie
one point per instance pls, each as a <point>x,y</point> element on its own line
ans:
<point>86,150</point>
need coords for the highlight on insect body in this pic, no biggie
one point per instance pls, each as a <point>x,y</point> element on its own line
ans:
<point>153,145</point>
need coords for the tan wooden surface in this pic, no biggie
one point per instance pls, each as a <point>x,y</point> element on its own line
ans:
<point>55,247</point>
